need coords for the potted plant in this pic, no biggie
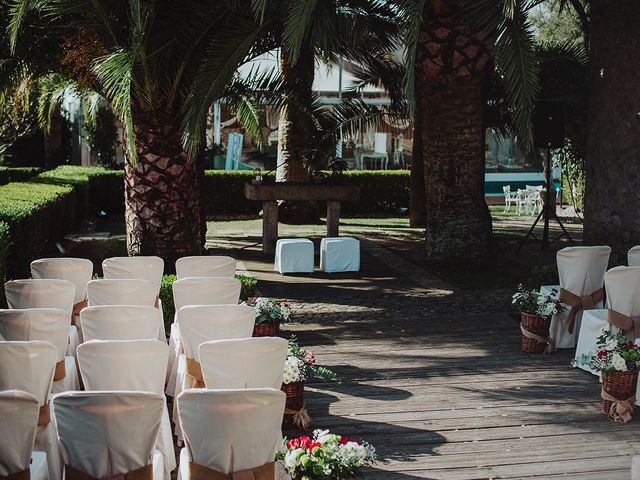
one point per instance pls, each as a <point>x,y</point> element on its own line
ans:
<point>536,311</point>
<point>299,365</point>
<point>269,315</point>
<point>618,359</point>
<point>326,456</point>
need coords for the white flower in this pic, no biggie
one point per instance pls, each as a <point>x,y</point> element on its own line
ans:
<point>618,362</point>
<point>291,370</point>
<point>291,459</point>
<point>612,344</point>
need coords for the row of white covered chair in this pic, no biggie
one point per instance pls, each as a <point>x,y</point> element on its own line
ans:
<point>107,434</point>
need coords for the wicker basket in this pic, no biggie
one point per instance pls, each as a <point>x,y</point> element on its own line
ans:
<point>266,330</point>
<point>295,401</point>
<point>538,325</point>
<point>620,385</point>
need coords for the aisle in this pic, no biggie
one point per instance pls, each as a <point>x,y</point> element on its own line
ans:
<point>436,381</point>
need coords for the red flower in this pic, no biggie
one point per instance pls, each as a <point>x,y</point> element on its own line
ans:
<point>602,355</point>
<point>344,440</point>
<point>305,441</point>
<point>294,443</point>
<point>314,446</point>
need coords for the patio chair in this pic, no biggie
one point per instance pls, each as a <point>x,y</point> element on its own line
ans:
<point>206,266</point>
<point>216,429</point>
<point>581,271</point>
<point>121,322</point>
<point>510,198</point>
<point>49,325</point>
<point>18,426</point>
<point>135,365</point>
<point>109,434</point>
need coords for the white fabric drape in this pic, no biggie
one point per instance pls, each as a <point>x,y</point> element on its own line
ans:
<point>633,256</point>
<point>339,254</point>
<point>206,266</point>
<point>18,419</point>
<point>294,255</point>
<point>121,322</point>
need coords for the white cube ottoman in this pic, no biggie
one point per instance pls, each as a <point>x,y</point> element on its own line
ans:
<point>294,255</point>
<point>339,254</point>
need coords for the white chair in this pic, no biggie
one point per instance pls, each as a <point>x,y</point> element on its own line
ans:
<point>623,296</point>
<point>18,425</point>
<point>581,271</point>
<point>510,198</point>
<point>121,322</point>
<point>49,325</point>
<point>135,268</point>
<point>206,266</point>
<point>230,431</point>
<point>633,256</point>
<point>294,255</point>
<point>243,363</point>
<point>29,366</point>
<point>136,365</point>
<point>197,291</point>
<point>106,434</point>
<point>398,150</point>
<point>45,293</point>
<point>339,254</point>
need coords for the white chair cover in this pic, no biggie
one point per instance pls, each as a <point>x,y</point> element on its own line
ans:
<point>633,256</point>
<point>121,292</point>
<point>136,268</point>
<point>623,295</point>
<point>44,293</point>
<point>339,254</point>
<point>136,365</point>
<point>108,433</point>
<point>29,366</point>
<point>121,322</point>
<point>206,266</point>
<point>581,271</point>
<point>294,255</point>
<point>18,419</point>
<point>197,291</point>
<point>230,430</point>
<point>243,363</point>
<point>46,324</point>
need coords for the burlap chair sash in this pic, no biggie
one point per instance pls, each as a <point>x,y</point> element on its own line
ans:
<point>75,311</point>
<point>142,473</point>
<point>263,472</point>
<point>60,372</point>
<point>24,475</point>
<point>630,326</point>
<point>577,303</point>
<point>44,415</point>
<point>621,410</point>
<point>194,374</point>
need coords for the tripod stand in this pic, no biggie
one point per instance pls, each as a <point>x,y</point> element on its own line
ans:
<point>546,213</point>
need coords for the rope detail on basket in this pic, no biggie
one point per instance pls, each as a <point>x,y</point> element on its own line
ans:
<point>301,418</point>
<point>550,348</point>
<point>579,302</point>
<point>621,410</point>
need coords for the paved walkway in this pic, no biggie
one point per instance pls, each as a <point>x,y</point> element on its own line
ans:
<point>434,378</point>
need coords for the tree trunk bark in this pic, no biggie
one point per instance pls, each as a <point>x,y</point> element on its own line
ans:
<point>612,194</point>
<point>417,189</point>
<point>162,199</point>
<point>452,64</point>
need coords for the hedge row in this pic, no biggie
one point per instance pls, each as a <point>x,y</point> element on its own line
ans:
<point>17,174</point>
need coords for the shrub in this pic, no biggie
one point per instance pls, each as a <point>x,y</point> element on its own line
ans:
<point>17,174</point>
<point>248,289</point>
<point>5,243</point>
<point>223,193</point>
<point>543,275</point>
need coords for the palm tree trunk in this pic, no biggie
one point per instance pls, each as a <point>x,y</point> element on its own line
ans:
<point>162,200</point>
<point>452,63</point>
<point>417,190</point>
<point>612,199</point>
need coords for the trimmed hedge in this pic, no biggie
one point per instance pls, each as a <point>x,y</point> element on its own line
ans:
<point>17,174</point>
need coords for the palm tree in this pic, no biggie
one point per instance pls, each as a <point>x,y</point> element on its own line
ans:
<point>159,65</point>
<point>452,48</point>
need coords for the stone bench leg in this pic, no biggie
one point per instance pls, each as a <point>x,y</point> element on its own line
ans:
<point>333,218</point>
<point>269,226</point>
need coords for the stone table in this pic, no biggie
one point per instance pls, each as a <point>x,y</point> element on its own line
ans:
<point>269,194</point>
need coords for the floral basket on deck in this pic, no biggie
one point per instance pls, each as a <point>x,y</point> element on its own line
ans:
<point>269,315</point>
<point>325,456</point>
<point>536,310</point>
<point>618,359</point>
<point>299,365</point>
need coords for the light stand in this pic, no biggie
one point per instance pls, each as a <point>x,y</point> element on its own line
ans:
<point>546,213</point>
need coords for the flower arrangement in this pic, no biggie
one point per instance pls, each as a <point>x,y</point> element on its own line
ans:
<point>269,311</point>
<point>532,302</point>
<point>614,353</point>
<point>326,456</point>
<point>301,365</point>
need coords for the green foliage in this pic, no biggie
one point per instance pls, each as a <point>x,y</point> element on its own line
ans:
<point>223,193</point>
<point>556,25</point>
<point>573,168</point>
<point>17,174</point>
<point>542,275</point>
<point>102,136</point>
<point>248,289</point>
<point>5,244</point>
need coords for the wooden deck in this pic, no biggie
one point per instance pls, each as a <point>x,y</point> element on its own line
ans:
<point>434,378</point>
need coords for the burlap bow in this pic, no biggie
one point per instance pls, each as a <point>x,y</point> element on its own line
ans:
<point>142,473</point>
<point>24,475</point>
<point>577,303</point>
<point>60,372</point>
<point>194,374</point>
<point>621,410</point>
<point>630,326</point>
<point>77,308</point>
<point>550,348</point>
<point>263,472</point>
<point>44,415</point>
